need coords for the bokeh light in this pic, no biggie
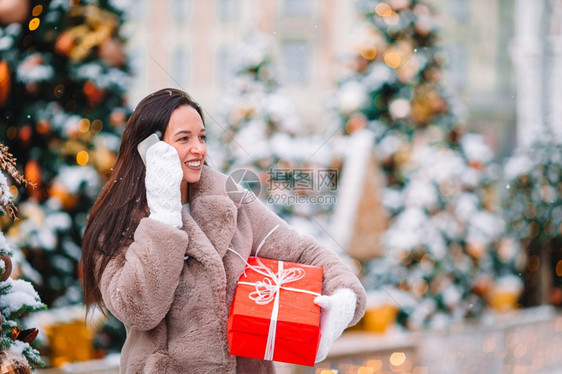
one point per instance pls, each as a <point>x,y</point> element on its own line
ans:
<point>533,263</point>
<point>12,132</point>
<point>533,230</point>
<point>82,158</point>
<point>357,267</point>
<point>59,91</point>
<point>549,227</point>
<point>530,210</point>
<point>25,133</point>
<point>37,10</point>
<point>365,370</point>
<point>427,262</point>
<point>368,53</point>
<point>33,172</point>
<point>392,18</point>
<point>34,24</point>
<point>43,127</point>
<point>96,126</point>
<point>375,364</point>
<point>547,193</point>
<point>383,9</point>
<point>84,125</point>
<point>559,268</point>
<point>447,188</point>
<point>14,191</point>
<point>397,358</point>
<point>392,59</point>
<point>420,287</point>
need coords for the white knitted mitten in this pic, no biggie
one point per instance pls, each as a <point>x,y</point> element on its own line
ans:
<point>162,181</point>
<point>336,314</point>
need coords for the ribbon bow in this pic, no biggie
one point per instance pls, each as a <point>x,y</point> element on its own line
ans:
<point>267,289</point>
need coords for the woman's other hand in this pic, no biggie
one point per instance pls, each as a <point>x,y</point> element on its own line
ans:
<point>337,312</point>
<point>162,181</point>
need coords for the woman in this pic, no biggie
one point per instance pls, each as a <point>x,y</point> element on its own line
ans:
<point>155,249</point>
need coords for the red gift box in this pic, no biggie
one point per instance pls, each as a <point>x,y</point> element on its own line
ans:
<point>273,315</point>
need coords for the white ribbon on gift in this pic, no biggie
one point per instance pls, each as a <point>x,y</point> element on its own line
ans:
<point>268,290</point>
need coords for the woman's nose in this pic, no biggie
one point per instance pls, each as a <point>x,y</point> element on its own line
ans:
<point>196,149</point>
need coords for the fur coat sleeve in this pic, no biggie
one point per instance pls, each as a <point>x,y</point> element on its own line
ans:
<point>286,244</point>
<point>133,285</point>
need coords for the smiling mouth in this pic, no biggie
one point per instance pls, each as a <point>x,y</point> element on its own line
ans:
<point>195,165</point>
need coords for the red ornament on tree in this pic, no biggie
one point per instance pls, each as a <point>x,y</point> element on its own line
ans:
<point>94,95</point>
<point>5,82</point>
<point>111,52</point>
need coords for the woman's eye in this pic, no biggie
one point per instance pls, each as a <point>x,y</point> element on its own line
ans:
<point>203,137</point>
<point>183,139</point>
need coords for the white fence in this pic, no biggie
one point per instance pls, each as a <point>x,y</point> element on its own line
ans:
<point>521,342</point>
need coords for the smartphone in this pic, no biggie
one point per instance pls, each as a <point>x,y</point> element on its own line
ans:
<point>145,144</point>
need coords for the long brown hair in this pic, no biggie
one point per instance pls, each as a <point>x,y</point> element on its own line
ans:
<point>122,202</point>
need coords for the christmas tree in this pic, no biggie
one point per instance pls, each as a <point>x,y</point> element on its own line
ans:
<point>18,298</point>
<point>63,76</point>
<point>443,260</point>
<point>261,130</point>
<point>532,206</point>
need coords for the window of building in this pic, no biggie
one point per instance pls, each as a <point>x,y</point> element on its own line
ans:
<point>228,9</point>
<point>137,59</point>
<point>180,67</point>
<point>180,10</point>
<point>297,7</point>
<point>136,12</point>
<point>296,60</point>
<point>460,9</point>
<point>224,65</point>
<point>458,65</point>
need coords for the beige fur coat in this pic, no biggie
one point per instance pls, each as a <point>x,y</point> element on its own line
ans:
<point>175,310</point>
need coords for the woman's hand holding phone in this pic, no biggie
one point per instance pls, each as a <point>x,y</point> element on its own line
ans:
<point>163,179</point>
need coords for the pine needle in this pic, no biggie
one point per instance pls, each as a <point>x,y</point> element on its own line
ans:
<point>8,163</point>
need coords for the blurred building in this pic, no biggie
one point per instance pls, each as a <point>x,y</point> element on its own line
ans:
<point>188,43</point>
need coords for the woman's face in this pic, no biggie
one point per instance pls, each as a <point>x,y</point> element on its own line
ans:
<point>186,133</point>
